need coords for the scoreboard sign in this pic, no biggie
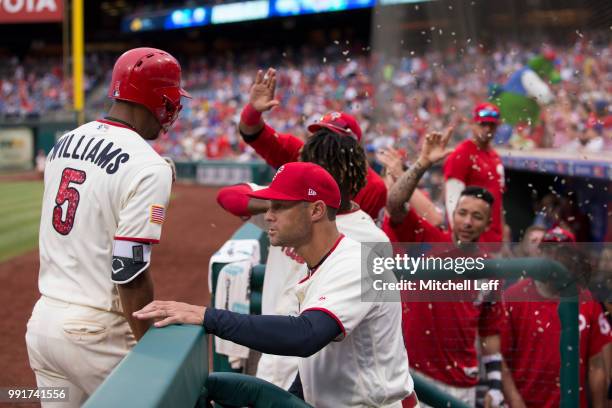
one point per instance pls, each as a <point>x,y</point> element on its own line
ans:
<point>31,11</point>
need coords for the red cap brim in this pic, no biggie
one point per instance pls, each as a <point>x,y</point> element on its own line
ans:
<point>336,129</point>
<point>487,120</point>
<point>185,93</point>
<point>270,194</point>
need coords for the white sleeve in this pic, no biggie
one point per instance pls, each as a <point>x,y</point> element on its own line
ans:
<point>595,145</point>
<point>339,295</point>
<point>144,205</point>
<point>452,190</point>
<point>536,88</point>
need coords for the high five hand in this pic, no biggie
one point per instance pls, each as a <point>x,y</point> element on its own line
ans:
<point>261,96</point>
<point>434,146</point>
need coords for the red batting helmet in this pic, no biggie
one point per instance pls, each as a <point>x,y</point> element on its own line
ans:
<point>338,122</point>
<point>486,113</point>
<point>151,78</point>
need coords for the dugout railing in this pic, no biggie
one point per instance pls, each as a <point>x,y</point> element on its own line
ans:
<point>427,392</point>
<point>169,366</point>
<point>537,268</point>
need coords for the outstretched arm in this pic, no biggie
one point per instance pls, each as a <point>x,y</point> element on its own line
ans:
<point>434,149</point>
<point>235,200</point>
<point>134,295</point>
<point>392,162</point>
<point>275,148</point>
<point>597,380</point>
<point>261,99</point>
<point>300,336</point>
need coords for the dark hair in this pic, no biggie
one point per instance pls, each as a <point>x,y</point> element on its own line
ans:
<point>573,258</point>
<point>331,213</point>
<point>479,192</point>
<point>343,157</point>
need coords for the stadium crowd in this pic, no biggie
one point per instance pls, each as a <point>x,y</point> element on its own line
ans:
<point>32,87</point>
<point>396,99</point>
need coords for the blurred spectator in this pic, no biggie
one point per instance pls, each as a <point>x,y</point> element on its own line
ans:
<point>396,99</point>
<point>529,245</point>
<point>41,161</point>
<point>586,138</point>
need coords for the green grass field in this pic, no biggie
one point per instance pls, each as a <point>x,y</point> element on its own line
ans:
<point>20,208</point>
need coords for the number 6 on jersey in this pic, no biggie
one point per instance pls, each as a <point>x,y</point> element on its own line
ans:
<point>70,194</point>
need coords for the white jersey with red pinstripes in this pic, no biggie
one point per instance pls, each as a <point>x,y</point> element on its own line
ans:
<point>103,182</point>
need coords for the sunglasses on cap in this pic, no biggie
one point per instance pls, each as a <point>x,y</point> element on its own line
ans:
<point>338,126</point>
<point>488,113</point>
<point>556,236</point>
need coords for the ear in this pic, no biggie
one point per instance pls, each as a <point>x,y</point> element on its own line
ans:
<point>318,211</point>
<point>489,219</point>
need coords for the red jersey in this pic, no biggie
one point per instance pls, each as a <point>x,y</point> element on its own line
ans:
<point>477,167</point>
<point>441,336</point>
<point>278,148</point>
<point>530,343</point>
<point>414,228</point>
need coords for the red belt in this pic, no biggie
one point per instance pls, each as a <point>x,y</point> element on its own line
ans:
<point>410,401</point>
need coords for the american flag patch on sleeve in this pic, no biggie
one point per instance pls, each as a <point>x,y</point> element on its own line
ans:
<point>158,214</point>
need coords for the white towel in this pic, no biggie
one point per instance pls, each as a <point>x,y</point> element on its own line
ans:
<point>233,288</point>
<point>232,251</point>
<point>232,293</point>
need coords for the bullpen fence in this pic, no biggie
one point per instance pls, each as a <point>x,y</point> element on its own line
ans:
<point>223,172</point>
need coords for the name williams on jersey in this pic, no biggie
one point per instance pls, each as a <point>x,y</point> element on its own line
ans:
<point>100,152</point>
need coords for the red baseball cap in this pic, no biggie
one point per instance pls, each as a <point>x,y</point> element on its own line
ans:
<point>301,181</point>
<point>486,113</point>
<point>338,122</point>
<point>558,234</point>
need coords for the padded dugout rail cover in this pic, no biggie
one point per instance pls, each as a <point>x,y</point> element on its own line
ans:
<point>167,368</point>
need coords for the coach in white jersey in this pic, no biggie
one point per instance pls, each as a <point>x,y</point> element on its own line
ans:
<point>285,268</point>
<point>352,350</point>
<point>105,199</point>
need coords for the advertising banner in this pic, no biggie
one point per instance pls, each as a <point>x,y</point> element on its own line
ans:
<point>31,11</point>
<point>16,148</point>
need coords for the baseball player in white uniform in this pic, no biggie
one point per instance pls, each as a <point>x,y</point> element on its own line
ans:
<point>104,204</point>
<point>352,350</point>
